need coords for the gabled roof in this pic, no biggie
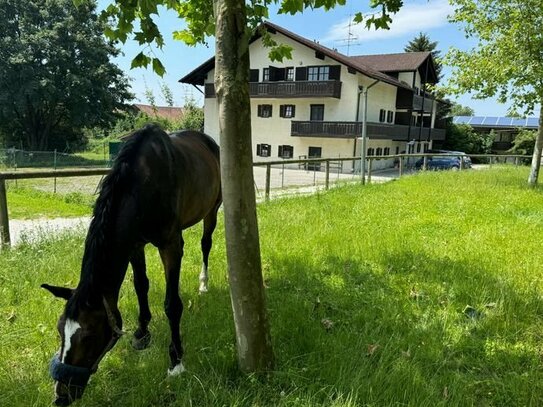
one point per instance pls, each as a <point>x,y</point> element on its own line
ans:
<point>166,112</point>
<point>401,62</point>
<point>197,76</point>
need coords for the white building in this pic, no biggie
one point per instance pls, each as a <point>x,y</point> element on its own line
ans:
<point>312,105</point>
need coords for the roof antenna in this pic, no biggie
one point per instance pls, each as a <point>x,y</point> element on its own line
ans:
<point>350,36</point>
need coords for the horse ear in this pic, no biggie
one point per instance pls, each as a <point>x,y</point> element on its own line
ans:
<point>60,292</point>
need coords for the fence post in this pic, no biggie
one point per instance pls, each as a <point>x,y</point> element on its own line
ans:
<point>55,167</point>
<point>400,167</point>
<point>268,180</point>
<point>516,161</point>
<point>425,163</point>
<point>327,175</point>
<point>4,219</point>
<point>370,165</point>
<point>461,163</point>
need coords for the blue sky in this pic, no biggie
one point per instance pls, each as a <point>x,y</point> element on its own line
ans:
<point>329,28</point>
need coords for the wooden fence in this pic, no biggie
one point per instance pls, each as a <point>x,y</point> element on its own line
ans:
<point>5,239</point>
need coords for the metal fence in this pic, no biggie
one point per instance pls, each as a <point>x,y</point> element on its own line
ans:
<point>286,176</point>
<point>13,158</point>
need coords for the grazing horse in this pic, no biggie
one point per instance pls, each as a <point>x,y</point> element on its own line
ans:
<point>158,186</point>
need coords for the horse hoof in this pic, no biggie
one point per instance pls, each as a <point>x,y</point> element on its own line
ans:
<point>141,343</point>
<point>177,370</point>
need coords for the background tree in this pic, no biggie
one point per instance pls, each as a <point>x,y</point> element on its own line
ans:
<point>193,116</point>
<point>524,142</point>
<point>233,22</point>
<point>422,43</point>
<point>459,110</point>
<point>462,137</point>
<point>506,62</point>
<point>55,72</point>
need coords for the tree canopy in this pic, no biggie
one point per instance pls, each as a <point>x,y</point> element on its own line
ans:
<point>55,72</point>
<point>422,42</point>
<point>506,61</point>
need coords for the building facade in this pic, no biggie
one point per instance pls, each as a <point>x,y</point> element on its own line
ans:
<point>313,105</point>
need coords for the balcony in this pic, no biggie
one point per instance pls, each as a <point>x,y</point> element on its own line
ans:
<point>406,99</point>
<point>374,131</point>
<point>288,89</point>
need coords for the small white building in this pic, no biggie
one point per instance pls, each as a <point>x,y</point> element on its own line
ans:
<point>313,106</point>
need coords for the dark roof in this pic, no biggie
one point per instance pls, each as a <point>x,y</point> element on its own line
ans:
<point>497,122</point>
<point>166,112</point>
<point>401,62</point>
<point>197,76</point>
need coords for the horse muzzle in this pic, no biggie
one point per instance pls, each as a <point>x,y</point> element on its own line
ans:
<point>70,381</point>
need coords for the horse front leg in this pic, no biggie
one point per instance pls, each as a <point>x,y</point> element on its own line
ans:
<point>142,336</point>
<point>171,256</point>
<point>210,222</point>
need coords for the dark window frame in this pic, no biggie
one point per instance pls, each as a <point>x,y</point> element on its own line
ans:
<point>285,151</point>
<point>287,111</point>
<point>382,115</point>
<point>263,150</point>
<point>265,111</point>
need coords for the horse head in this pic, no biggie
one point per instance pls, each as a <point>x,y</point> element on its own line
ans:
<point>88,330</point>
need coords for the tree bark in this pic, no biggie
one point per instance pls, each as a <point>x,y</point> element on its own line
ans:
<point>253,337</point>
<point>536,158</point>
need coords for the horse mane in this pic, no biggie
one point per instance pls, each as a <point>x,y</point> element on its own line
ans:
<point>116,185</point>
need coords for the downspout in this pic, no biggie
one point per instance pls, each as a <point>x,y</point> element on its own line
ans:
<point>360,89</point>
<point>364,133</point>
<point>423,97</point>
<point>411,110</point>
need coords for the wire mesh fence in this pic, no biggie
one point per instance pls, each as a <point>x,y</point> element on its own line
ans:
<point>13,158</point>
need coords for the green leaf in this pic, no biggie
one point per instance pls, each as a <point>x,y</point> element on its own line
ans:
<point>140,61</point>
<point>158,67</point>
<point>185,36</point>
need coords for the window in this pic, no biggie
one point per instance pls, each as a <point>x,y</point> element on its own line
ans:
<point>397,150</point>
<point>318,73</point>
<point>290,74</point>
<point>287,111</point>
<point>265,74</point>
<point>387,151</point>
<point>286,151</point>
<point>265,111</point>
<point>418,147</point>
<point>379,151</point>
<point>382,115</point>
<point>253,75</point>
<point>263,150</point>
<point>371,151</point>
<point>317,113</point>
<point>390,116</point>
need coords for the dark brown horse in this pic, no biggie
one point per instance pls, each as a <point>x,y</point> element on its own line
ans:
<point>158,186</point>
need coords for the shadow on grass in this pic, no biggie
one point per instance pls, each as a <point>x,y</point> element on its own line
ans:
<point>398,332</point>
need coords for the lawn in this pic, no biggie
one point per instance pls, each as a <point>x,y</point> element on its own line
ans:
<point>426,291</point>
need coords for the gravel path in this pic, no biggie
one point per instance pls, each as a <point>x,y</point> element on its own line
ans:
<point>32,230</point>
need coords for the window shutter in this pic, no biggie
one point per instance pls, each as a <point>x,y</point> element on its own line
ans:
<point>253,75</point>
<point>293,110</point>
<point>258,150</point>
<point>276,74</point>
<point>282,109</point>
<point>301,73</point>
<point>259,114</point>
<point>280,152</point>
<point>335,72</point>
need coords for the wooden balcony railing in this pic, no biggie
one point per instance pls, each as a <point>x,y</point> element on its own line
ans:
<point>354,129</point>
<point>288,89</point>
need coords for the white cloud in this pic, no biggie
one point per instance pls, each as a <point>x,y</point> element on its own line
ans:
<point>411,19</point>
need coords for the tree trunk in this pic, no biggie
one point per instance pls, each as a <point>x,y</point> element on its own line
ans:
<point>536,158</point>
<point>253,337</point>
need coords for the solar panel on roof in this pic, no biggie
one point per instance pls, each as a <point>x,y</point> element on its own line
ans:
<point>490,121</point>
<point>518,122</point>
<point>504,121</point>
<point>462,119</point>
<point>475,120</point>
<point>532,122</point>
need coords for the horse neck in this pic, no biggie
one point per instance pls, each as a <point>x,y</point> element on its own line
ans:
<point>106,257</point>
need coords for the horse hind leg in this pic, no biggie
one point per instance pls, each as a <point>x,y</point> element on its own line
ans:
<point>210,222</point>
<point>142,336</point>
<point>171,256</point>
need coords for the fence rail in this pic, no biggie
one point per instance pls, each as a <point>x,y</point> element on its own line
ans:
<point>313,164</point>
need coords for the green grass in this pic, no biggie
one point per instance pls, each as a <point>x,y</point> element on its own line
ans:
<point>392,266</point>
<point>25,202</point>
